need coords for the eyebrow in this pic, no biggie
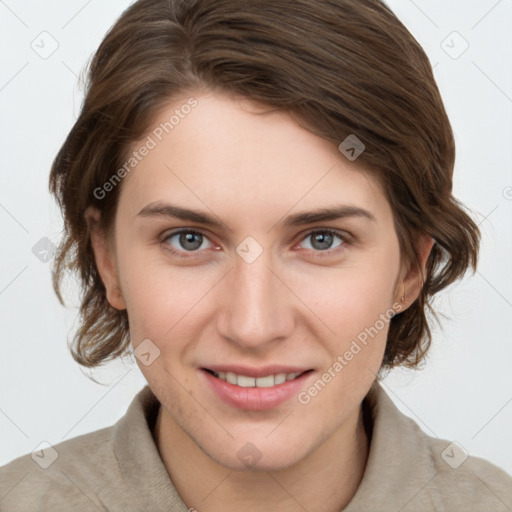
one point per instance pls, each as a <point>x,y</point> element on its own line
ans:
<point>159,209</point>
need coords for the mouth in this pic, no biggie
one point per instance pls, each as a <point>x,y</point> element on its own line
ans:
<point>248,381</point>
<point>256,389</point>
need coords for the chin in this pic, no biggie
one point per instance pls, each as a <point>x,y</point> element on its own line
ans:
<point>275,463</point>
<point>259,455</point>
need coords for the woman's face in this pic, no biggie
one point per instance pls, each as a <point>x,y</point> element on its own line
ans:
<point>262,291</point>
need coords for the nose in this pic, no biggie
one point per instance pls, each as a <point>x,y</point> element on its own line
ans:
<point>256,307</point>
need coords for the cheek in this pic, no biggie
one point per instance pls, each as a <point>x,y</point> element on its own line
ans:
<point>161,299</point>
<point>349,299</point>
<point>354,304</point>
<point>357,311</point>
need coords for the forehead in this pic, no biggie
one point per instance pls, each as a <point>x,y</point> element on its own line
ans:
<point>227,154</point>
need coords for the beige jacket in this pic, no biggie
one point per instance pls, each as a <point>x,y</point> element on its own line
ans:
<point>118,469</point>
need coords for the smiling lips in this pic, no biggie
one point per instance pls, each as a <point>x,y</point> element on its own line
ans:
<point>255,389</point>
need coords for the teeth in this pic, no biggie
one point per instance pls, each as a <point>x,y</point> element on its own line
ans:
<point>245,381</point>
<point>231,378</point>
<point>265,382</point>
<point>280,378</point>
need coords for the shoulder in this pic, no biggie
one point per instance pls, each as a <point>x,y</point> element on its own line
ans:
<point>466,480</point>
<point>114,468</point>
<point>410,470</point>
<point>72,472</point>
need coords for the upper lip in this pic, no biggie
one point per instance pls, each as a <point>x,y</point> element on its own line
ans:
<point>262,371</point>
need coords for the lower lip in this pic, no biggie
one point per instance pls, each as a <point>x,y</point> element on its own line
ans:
<point>256,399</point>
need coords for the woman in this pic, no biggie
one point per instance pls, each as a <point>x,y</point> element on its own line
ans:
<point>258,201</point>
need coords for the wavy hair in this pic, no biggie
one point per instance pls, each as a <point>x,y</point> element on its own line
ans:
<point>340,67</point>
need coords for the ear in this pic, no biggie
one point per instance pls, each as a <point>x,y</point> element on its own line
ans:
<point>412,283</point>
<point>105,259</point>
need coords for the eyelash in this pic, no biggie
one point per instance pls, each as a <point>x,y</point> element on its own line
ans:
<point>345,239</point>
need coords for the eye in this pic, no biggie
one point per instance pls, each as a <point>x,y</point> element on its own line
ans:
<point>185,240</point>
<point>322,240</point>
<point>191,241</point>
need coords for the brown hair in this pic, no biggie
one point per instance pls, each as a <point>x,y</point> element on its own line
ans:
<point>340,67</point>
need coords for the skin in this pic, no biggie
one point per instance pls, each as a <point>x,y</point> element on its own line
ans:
<point>296,304</point>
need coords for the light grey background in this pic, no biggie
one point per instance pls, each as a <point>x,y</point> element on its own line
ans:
<point>465,391</point>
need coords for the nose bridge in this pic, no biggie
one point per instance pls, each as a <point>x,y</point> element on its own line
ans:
<point>256,308</point>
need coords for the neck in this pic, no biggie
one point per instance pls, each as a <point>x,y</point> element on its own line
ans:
<point>324,481</point>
